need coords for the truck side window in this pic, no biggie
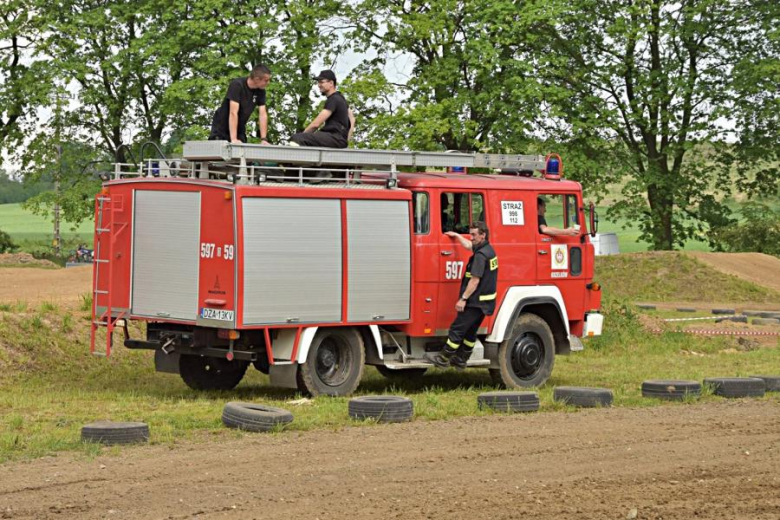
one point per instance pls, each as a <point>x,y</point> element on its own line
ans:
<point>572,215</point>
<point>459,210</point>
<point>553,213</point>
<point>421,209</point>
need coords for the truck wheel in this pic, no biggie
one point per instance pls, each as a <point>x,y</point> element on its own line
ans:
<point>526,358</point>
<point>412,374</point>
<point>334,364</point>
<point>208,373</point>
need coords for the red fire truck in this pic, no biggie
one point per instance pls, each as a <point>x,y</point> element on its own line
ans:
<point>310,263</point>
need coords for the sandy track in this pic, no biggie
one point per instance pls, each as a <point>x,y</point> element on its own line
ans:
<point>34,285</point>
<point>758,268</point>
<point>698,461</point>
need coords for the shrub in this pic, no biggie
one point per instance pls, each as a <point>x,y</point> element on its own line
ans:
<point>758,232</point>
<point>6,244</point>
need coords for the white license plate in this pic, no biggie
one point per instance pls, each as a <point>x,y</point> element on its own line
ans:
<point>216,314</point>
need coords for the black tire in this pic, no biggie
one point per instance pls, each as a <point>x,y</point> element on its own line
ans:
<point>735,319</point>
<point>509,401</point>
<point>734,387</point>
<point>107,432</point>
<point>209,373</point>
<point>334,364</point>
<point>772,383</point>
<point>527,356</point>
<point>765,321</point>
<point>645,306</point>
<point>724,311</point>
<point>583,397</point>
<point>771,315</point>
<point>686,309</point>
<point>382,408</point>
<point>401,374</point>
<point>253,417</point>
<point>669,389</point>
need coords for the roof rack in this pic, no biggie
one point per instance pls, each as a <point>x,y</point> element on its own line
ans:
<point>296,155</point>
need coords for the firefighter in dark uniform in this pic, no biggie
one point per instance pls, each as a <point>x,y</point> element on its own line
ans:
<point>477,299</point>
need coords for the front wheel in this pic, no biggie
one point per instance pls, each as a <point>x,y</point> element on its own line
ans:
<point>208,373</point>
<point>527,356</point>
<point>334,364</point>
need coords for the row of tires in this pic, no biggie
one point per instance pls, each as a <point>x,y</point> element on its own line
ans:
<point>257,417</point>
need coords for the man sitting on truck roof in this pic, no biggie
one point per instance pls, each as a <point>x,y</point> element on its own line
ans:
<point>544,229</point>
<point>243,95</point>
<point>336,116</point>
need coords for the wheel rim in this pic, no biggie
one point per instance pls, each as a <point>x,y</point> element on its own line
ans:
<point>333,361</point>
<point>527,355</point>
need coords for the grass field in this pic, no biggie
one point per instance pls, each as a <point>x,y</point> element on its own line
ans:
<point>50,385</point>
<point>33,232</point>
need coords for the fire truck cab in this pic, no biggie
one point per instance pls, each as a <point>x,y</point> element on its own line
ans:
<point>309,273</point>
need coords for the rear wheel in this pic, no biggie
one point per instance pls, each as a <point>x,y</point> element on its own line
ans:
<point>334,364</point>
<point>526,358</point>
<point>208,373</point>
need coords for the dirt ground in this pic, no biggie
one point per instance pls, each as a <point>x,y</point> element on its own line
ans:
<point>34,285</point>
<point>754,267</point>
<point>691,461</point>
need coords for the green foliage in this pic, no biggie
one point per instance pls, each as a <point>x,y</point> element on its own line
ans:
<point>759,231</point>
<point>12,190</point>
<point>6,244</point>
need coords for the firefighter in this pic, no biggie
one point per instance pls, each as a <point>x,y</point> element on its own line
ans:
<point>243,95</point>
<point>336,116</point>
<point>477,299</point>
<point>544,229</point>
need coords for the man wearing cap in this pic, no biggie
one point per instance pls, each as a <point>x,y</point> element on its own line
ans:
<point>243,95</point>
<point>336,116</point>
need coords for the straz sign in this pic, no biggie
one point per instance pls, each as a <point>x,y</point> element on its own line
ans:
<point>512,213</point>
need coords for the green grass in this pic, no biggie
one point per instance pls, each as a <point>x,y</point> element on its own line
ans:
<point>32,231</point>
<point>50,386</point>
<point>673,276</point>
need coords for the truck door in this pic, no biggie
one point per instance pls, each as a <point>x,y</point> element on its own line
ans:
<point>560,257</point>
<point>457,210</point>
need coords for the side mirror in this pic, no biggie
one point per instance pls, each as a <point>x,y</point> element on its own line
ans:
<point>594,220</point>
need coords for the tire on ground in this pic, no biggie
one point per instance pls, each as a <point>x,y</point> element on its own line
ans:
<point>646,306</point>
<point>253,417</point>
<point>765,321</point>
<point>772,382</point>
<point>686,309</point>
<point>527,356</point>
<point>509,401</point>
<point>736,386</point>
<point>210,373</point>
<point>724,311</point>
<point>382,408</point>
<point>334,364</point>
<point>583,397</point>
<point>107,432</point>
<point>670,389</point>
<point>401,374</point>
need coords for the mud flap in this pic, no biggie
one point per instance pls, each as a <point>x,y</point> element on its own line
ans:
<point>284,376</point>
<point>168,363</point>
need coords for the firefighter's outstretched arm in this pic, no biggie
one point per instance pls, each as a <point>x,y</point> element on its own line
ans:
<point>463,241</point>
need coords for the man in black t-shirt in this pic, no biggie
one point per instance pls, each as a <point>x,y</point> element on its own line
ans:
<point>336,116</point>
<point>243,95</point>
<point>544,229</point>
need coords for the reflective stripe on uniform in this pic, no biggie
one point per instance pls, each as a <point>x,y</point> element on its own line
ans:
<point>467,275</point>
<point>487,297</point>
<point>452,344</point>
<point>469,343</point>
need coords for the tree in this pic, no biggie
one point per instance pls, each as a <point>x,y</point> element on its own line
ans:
<point>20,73</point>
<point>659,78</point>
<point>472,85</point>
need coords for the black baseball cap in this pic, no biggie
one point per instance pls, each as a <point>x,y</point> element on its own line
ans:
<point>327,74</point>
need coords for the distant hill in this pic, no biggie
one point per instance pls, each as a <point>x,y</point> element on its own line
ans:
<point>680,277</point>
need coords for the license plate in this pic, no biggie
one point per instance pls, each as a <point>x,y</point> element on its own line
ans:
<point>216,314</point>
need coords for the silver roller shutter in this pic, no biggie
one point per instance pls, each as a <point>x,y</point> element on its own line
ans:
<point>292,260</point>
<point>379,260</point>
<point>166,234</point>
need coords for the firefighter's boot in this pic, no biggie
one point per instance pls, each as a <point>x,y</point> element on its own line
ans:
<point>461,357</point>
<point>442,358</point>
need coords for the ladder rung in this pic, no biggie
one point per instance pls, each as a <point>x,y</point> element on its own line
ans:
<point>100,322</point>
<point>101,354</point>
<point>100,292</point>
<point>100,260</point>
<point>102,230</point>
<point>104,198</point>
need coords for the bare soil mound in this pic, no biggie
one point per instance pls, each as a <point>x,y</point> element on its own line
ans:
<point>704,461</point>
<point>37,285</point>
<point>758,268</point>
<point>25,259</point>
